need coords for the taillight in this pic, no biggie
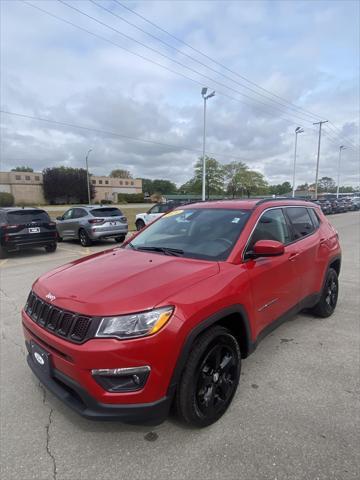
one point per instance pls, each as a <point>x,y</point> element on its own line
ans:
<point>11,227</point>
<point>96,220</point>
<point>52,224</point>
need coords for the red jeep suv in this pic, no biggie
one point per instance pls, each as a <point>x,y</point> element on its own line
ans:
<point>167,317</point>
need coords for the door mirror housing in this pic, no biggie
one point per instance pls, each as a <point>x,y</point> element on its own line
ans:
<point>59,218</point>
<point>268,248</point>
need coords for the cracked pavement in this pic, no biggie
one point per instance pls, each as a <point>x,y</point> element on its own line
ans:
<point>295,415</point>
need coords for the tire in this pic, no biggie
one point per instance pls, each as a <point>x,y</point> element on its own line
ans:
<point>206,388</point>
<point>3,252</point>
<point>329,295</point>
<point>51,247</point>
<point>59,239</point>
<point>140,224</point>
<point>120,239</point>
<point>85,241</point>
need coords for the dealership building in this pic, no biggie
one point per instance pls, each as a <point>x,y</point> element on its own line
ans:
<point>27,187</point>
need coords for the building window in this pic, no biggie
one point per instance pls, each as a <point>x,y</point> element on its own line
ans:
<point>37,178</point>
<point>100,182</point>
<point>132,183</point>
<point>126,183</point>
<point>121,182</point>
<point>27,177</point>
<point>17,177</point>
<point>93,182</point>
<point>106,182</point>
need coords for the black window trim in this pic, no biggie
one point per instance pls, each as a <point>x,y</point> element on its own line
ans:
<point>289,225</point>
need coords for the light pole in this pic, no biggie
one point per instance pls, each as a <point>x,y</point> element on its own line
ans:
<point>318,157</point>
<point>341,148</point>
<point>87,175</point>
<point>205,97</point>
<point>297,131</point>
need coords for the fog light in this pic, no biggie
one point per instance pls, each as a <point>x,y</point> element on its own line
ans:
<point>119,380</point>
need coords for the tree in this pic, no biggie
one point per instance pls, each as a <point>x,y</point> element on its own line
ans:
<point>66,185</point>
<point>232,176</point>
<point>214,176</point>
<point>158,186</point>
<point>120,173</point>
<point>254,183</point>
<point>22,169</point>
<point>191,187</point>
<point>326,184</point>
<point>280,189</point>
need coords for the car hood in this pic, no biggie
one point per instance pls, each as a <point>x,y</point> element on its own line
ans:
<point>120,281</point>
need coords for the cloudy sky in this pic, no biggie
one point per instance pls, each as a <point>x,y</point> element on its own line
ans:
<point>125,85</point>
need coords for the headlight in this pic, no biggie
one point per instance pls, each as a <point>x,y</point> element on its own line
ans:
<point>135,325</point>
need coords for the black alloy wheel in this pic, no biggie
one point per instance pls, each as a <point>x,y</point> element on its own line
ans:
<point>329,296</point>
<point>140,224</point>
<point>84,238</point>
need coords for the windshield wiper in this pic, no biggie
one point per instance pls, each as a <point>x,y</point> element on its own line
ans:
<point>176,252</point>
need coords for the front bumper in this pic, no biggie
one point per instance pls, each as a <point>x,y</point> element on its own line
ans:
<point>78,399</point>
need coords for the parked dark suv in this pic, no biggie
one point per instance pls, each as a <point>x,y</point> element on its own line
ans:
<point>26,227</point>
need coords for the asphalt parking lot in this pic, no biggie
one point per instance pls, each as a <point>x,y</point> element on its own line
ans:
<point>295,415</point>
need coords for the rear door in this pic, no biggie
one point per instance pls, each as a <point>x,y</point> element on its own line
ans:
<point>308,243</point>
<point>66,226</point>
<point>274,280</point>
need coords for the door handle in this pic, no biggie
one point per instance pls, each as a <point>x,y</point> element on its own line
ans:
<point>293,256</point>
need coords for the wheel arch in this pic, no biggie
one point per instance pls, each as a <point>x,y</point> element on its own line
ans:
<point>234,318</point>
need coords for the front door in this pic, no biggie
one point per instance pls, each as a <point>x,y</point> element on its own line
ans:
<point>66,226</point>
<point>274,282</point>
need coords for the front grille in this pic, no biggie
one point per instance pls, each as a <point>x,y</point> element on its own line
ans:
<point>71,326</point>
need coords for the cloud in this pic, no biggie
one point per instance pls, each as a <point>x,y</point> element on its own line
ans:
<point>55,71</point>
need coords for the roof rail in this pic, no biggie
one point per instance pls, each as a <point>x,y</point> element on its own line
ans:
<point>291,199</point>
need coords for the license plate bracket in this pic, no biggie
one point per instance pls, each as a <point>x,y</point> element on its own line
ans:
<point>34,230</point>
<point>41,358</point>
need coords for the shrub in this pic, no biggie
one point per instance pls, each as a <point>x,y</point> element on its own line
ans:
<point>130,198</point>
<point>6,199</point>
<point>105,202</point>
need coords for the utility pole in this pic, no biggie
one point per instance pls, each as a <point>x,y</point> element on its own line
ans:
<point>205,97</point>
<point>318,157</point>
<point>87,175</point>
<point>341,148</point>
<point>297,131</point>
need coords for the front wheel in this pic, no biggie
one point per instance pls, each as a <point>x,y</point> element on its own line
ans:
<point>210,378</point>
<point>140,224</point>
<point>120,239</point>
<point>329,295</point>
<point>51,247</point>
<point>84,238</point>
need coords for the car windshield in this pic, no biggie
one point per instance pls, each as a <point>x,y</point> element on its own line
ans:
<point>27,216</point>
<point>204,233</point>
<point>106,212</point>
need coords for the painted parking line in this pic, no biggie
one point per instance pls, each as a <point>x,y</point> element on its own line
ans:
<point>84,251</point>
<point>2,262</point>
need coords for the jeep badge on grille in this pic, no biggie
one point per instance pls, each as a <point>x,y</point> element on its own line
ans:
<point>51,297</point>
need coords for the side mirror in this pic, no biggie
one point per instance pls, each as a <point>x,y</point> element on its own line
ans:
<point>59,218</point>
<point>268,248</point>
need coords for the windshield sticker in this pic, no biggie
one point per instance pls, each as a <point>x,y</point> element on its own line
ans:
<point>174,212</point>
<point>235,220</point>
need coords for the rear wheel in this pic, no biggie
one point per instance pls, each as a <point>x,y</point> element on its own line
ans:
<point>329,295</point>
<point>84,238</point>
<point>51,247</point>
<point>3,252</point>
<point>120,239</point>
<point>210,378</point>
<point>59,239</point>
<point>140,224</point>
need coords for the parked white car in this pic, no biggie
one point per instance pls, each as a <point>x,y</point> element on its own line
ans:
<point>155,212</point>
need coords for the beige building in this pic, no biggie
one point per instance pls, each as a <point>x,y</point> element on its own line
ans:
<point>107,188</point>
<point>26,187</point>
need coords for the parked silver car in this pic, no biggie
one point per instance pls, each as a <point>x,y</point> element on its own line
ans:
<point>92,222</point>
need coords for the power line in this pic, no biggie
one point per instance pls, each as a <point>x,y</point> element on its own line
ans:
<point>128,37</point>
<point>116,134</point>
<point>152,61</point>
<point>212,60</point>
<point>288,105</point>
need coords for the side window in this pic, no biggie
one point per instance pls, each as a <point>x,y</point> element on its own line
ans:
<point>78,213</point>
<point>314,217</point>
<point>301,221</point>
<point>155,209</point>
<point>67,215</point>
<point>271,226</point>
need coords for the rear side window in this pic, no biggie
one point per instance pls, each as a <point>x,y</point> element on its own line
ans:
<point>314,217</point>
<point>301,221</point>
<point>106,212</point>
<point>27,216</point>
<point>78,213</point>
